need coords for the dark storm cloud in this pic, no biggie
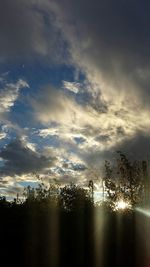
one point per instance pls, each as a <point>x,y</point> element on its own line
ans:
<point>27,33</point>
<point>19,159</point>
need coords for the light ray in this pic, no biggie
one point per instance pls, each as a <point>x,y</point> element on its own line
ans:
<point>145,212</point>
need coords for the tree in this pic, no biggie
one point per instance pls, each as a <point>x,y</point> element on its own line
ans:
<point>124,181</point>
<point>73,197</point>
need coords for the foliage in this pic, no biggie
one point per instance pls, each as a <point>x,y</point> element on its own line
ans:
<point>73,197</point>
<point>125,181</point>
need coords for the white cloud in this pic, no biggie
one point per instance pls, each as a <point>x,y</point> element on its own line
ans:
<point>9,94</point>
<point>3,135</point>
<point>72,86</point>
<point>82,121</point>
<point>47,132</point>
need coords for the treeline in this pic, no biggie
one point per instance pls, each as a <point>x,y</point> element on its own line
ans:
<point>51,228</point>
<point>60,226</point>
<point>67,198</point>
<point>65,230</point>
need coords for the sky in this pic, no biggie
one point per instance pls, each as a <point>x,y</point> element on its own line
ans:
<point>74,88</point>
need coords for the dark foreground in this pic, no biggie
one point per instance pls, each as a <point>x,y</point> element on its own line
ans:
<point>92,237</point>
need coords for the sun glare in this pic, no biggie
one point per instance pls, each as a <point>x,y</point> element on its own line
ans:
<point>122,205</point>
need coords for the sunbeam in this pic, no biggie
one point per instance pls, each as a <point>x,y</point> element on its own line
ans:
<point>145,212</point>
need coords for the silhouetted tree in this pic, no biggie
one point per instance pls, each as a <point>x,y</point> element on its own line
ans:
<point>125,181</point>
<point>74,197</point>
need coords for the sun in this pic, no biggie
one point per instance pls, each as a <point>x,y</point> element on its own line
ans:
<point>122,205</point>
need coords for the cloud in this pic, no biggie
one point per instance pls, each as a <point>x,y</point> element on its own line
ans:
<point>108,40</point>
<point>81,130</point>
<point>137,147</point>
<point>52,105</point>
<point>75,121</point>
<point>9,187</point>
<point>27,32</point>
<point>9,94</point>
<point>21,159</point>
<point>2,135</point>
<point>109,43</point>
<point>47,132</point>
<point>88,118</point>
<point>72,86</point>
